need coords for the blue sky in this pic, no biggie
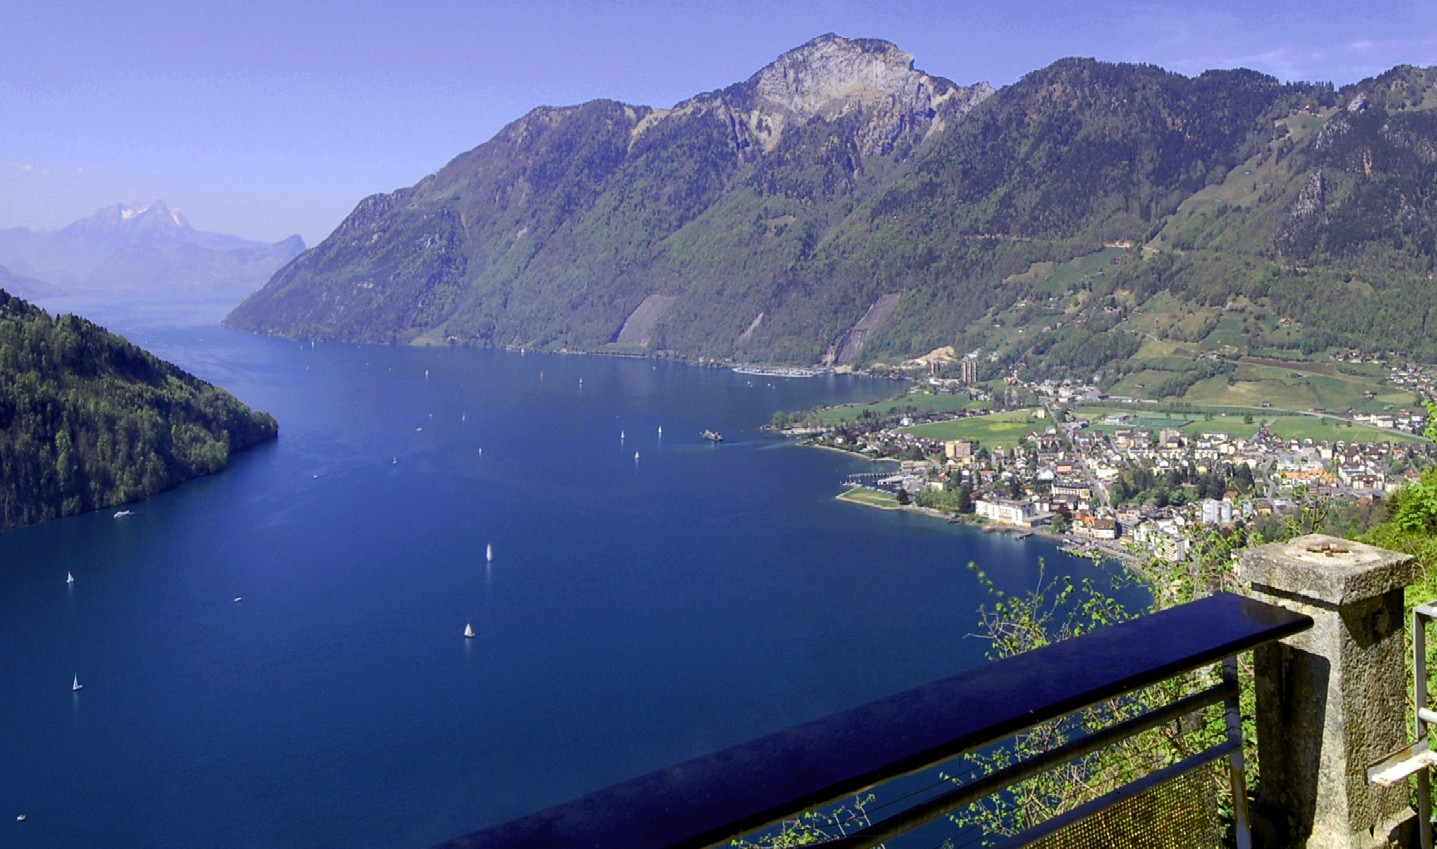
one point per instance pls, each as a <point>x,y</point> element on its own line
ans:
<point>263,119</point>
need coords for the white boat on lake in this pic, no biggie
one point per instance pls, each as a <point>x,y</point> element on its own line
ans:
<point>468,631</point>
<point>77,686</point>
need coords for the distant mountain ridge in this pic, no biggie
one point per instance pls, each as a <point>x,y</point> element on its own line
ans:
<point>141,246</point>
<point>840,206</point>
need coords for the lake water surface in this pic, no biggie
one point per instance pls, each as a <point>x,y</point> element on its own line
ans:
<point>652,597</point>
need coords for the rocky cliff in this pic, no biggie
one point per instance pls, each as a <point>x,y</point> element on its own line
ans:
<point>830,78</point>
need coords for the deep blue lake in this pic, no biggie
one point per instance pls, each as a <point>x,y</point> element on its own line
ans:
<point>652,597</point>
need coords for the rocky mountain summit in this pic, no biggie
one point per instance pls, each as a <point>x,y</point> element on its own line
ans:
<point>840,206</point>
<point>831,78</point>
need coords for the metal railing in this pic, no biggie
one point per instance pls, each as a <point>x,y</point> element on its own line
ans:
<point>720,796</point>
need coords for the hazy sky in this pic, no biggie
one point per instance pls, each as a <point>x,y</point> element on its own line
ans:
<point>263,118</point>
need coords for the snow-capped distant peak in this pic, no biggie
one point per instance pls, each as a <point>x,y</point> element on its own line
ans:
<point>152,211</point>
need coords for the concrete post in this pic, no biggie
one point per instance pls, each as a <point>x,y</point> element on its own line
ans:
<point>1331,699</point>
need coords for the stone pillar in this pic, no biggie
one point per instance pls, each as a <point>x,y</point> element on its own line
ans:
<point>1330,700</point>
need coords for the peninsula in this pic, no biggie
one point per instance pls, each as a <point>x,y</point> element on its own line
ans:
<point>89,421</point>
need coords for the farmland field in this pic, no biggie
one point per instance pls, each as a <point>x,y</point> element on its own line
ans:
<point>917,402</point>
<point>997,429</point>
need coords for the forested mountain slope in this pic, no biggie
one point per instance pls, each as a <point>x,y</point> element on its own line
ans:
<point>88,420</point>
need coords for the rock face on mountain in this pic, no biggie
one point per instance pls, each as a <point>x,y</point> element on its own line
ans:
<point>840,205</point>
<point>830,78</point>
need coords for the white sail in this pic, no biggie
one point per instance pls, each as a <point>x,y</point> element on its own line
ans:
<point>489,552</point>
<point>469,631</point>
<point>69,578</point>
<point>77,686</point>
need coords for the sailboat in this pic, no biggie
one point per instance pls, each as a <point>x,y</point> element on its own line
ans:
<point>489,552</point>
<point>468,631</point>
<point>77,686</point>
<point>69,578</point>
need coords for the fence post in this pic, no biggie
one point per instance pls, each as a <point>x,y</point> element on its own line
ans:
<point>1330,699</point>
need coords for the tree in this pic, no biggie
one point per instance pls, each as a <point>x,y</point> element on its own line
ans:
<point>88,420</point>
<point>813,827</point>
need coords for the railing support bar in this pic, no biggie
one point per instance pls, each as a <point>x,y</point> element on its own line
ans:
<point>967,794</point>
<point>1419,698</point>
<point>1236,775</point>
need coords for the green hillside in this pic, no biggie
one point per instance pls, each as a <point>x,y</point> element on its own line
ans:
<point>88,420</point>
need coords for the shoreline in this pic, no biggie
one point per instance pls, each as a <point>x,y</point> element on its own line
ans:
<point>1104,549</point>
<point>845,452</point>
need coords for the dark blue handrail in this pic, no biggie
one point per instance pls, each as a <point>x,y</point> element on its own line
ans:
<point>728,793</point>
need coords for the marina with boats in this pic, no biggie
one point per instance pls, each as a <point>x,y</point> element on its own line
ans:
<point>777,371</point>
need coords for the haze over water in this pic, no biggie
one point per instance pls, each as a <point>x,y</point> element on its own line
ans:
<point>652,597</point>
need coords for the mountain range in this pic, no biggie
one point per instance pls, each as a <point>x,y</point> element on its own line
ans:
<point>137,247</point>
<point>842,207</point>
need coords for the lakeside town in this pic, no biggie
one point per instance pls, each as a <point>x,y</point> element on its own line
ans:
<point>1109,475</point>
